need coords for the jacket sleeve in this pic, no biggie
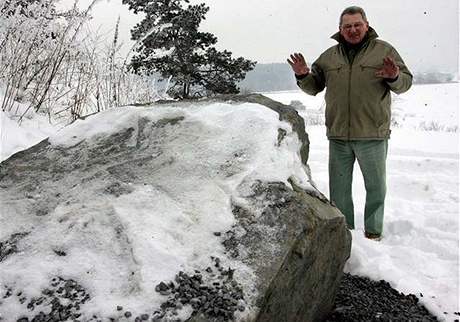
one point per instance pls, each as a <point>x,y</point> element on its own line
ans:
<point>404,80</point>
<point>314,82</point>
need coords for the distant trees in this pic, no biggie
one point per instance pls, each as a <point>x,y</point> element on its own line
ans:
<point>279,77</point>
<point>171,44</point>
<point>270,77</point>
<point>433,77</point>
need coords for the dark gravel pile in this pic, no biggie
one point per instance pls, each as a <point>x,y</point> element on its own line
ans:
<point>216,295</point>
<point>60,291</point>
<point>212,293</point>
<point>361,299</point>
<point>9,246</point>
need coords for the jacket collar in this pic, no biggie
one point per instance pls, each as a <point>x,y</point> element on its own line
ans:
<point>371,33</point>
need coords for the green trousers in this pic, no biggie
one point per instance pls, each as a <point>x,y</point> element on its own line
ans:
<point>371,156</point>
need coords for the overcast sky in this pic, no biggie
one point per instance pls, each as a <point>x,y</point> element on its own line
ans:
<point>425,32</point>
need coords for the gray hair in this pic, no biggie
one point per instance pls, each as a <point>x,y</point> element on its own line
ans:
<point>351,11</point>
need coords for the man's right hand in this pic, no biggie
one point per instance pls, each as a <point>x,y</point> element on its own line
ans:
<point>298,64</point>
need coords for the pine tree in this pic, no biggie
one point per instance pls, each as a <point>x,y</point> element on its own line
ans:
<point>171,44</point>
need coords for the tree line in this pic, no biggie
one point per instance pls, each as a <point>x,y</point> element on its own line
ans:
<point>279,77</point>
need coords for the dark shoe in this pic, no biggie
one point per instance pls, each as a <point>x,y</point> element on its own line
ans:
<point>371,236</point>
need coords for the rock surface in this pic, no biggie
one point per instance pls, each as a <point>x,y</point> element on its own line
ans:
<point>297,245</point>
<point>286,113</point>
<point>293,240</point>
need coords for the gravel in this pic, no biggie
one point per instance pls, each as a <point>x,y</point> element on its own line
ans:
<point>212,293</point>
<point>60,291</point>
<point>361,299</point>
<point>9,246</point>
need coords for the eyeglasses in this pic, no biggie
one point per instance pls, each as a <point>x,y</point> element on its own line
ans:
<point>357,25</point>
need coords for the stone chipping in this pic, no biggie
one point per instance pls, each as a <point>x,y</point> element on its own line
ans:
<point>61,301</point>
<point>213,294</point>
<point>360,299</point>
<point>9,246</point>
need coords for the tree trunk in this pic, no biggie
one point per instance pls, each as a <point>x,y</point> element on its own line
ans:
<point>186,91</point>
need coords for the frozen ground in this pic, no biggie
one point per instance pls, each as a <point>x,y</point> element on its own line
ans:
<point>419,253</point>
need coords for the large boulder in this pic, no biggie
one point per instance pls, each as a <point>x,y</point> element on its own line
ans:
<point>198,212</point>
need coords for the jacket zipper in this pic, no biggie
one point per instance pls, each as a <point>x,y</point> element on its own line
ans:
<point>349,96</point>
<point>359,53</point>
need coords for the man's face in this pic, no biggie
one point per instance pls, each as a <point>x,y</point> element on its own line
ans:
<point>353,28</point>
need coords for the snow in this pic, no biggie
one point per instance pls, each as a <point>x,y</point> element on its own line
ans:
<point>169,221</point>
<point>16,136</point>
<point>419,250</point>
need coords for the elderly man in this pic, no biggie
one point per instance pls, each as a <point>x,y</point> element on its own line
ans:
<point>358,74</point>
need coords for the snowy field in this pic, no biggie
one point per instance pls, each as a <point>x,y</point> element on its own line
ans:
<point>419,252</point>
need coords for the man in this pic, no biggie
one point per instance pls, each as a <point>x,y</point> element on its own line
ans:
<point>358,74</point>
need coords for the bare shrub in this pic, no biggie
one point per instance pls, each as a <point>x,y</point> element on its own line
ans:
<point>50,61</point>
<point>298,105</point>
<point>314,118</point>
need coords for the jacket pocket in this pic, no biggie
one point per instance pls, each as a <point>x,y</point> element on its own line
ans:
<point>385,111</point>
<point>374,67</point>
<point>368,71</point>
<point>331,111</point>
<point>333,74</point>
<point>333,68</point>
<point>370,83</point>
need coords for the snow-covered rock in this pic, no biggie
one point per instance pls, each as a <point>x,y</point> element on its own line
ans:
<point>179,211</point>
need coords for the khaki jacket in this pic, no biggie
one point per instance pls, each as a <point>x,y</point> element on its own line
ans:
<point>358,104</point>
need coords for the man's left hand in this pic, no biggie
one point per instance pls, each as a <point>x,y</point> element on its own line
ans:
<point>389,70</point>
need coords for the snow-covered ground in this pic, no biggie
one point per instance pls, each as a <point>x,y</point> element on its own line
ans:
<point>419,251</point>
<point>16,136</point>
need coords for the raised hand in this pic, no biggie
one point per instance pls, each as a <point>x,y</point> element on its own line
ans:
<point>389,69</point>
<point>298,64</point>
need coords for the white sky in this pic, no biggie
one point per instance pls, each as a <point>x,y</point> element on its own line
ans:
<point>425,32</point>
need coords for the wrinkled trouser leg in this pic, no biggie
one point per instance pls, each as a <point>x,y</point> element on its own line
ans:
<point>371,157</point>
<point>341,160</point>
